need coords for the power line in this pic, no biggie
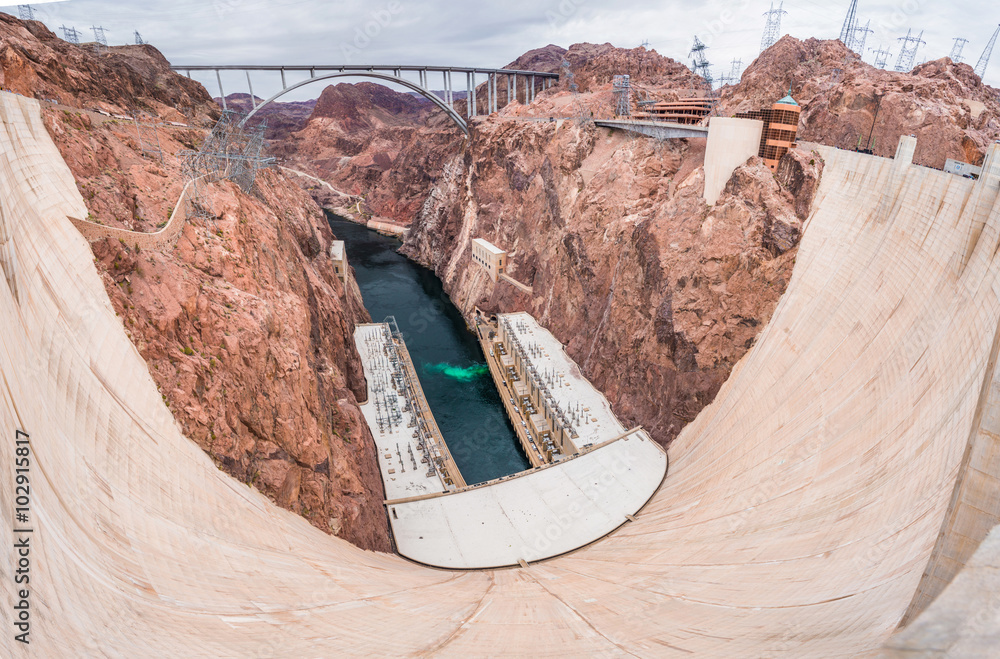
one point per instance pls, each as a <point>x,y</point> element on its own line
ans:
<point>772,28</point>
<point>701,63</point>
<point>908,51</point>
<point>882,56</point>
<point>99,36</point>
<point>984,59</point>
<point>956,50</point>
<point>850,24</point>
<point>70,34</point>
<point>858,42</point>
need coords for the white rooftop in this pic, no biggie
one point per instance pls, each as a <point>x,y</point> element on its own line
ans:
<point>490,247</point>
<point>534,515</point>
<point>399,454</point>
<point>584,406</point>
<point>337,250</point>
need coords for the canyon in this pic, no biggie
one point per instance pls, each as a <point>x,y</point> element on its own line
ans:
<point>824,380</point>
<point>242,322</point>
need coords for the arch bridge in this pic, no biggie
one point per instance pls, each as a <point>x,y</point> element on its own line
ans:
<point>531,82</point>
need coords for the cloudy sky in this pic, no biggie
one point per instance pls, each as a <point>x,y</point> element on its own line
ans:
<point>490,34</point>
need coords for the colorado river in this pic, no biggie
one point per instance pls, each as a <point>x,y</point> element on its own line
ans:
<point>449,362</point>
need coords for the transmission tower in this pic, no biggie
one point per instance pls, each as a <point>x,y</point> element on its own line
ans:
<point>882,55</point>
<point>138,39</point>
<point>956,50</point>
<point>644,44</point>
<point>26,12</point>
<point>622,91</point>
<point>772,28</point>
<point>850,25</point>
<point>984,59</point>
<point>908,51</point>
<point>70,34</point>
<point>736,71</point>
<point>99,36</point>
<point>701,64</point>
<point>860,37</point>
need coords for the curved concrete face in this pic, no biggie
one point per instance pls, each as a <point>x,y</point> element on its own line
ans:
<point>535,515</point>
<point>800,512</point>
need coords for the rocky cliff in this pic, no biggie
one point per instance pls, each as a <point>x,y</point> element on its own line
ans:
<point>369,140</point>
<point>243,323</point>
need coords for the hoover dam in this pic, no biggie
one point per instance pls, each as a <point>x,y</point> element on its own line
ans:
<point>841,479</point>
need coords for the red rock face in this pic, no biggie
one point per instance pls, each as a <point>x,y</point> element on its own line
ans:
<point>125,79</point>
<point>282,118</point>
<point>945,105</point>
<point>243,323</point>
<point>367,139</point>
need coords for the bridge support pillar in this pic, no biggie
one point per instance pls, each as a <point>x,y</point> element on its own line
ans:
<point>489,93</point>
<point>222,93</point>
<point>253,99</point>
<point>474,94</point>
<point>284,85</point>
<point>468,95</point>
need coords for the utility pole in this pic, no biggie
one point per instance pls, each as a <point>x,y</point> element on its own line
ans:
<point>70,34</point>
<point>772,28</point>
<point>882,55</point>
<point>736,72</point>
<point>859,41</point>
<point>701,64</point>
<point>984,59</point>
<point>850,25</point>
<point>956,50</point>
<point>908,51</point>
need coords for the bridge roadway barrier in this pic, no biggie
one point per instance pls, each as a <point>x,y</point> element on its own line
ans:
<point>802,510</point>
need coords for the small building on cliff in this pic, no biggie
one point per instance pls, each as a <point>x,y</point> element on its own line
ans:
<point>339,258</point>
<point>489,256</point>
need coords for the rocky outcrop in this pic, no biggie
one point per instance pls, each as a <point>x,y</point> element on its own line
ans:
<point>368,140</point>
<point>124,79</point>
<point>283,118</point>
<point>844,100</point>
<point>242,321</point>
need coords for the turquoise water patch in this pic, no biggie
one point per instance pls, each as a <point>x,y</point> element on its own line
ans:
<point>460,373</point>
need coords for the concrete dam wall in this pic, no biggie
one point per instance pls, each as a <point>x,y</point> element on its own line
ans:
<point>802,511</point>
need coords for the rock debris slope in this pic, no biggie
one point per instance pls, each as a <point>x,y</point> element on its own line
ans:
<point>800,512</point>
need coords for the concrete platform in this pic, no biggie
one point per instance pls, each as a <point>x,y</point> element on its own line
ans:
<point>533,515</point>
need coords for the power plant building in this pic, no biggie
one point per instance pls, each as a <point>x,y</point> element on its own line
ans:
<point>489,256</point>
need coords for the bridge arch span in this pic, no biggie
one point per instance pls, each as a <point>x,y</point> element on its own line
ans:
<point>450,111</point>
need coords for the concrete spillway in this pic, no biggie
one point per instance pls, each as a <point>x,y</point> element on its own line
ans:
<point>801,511</point>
